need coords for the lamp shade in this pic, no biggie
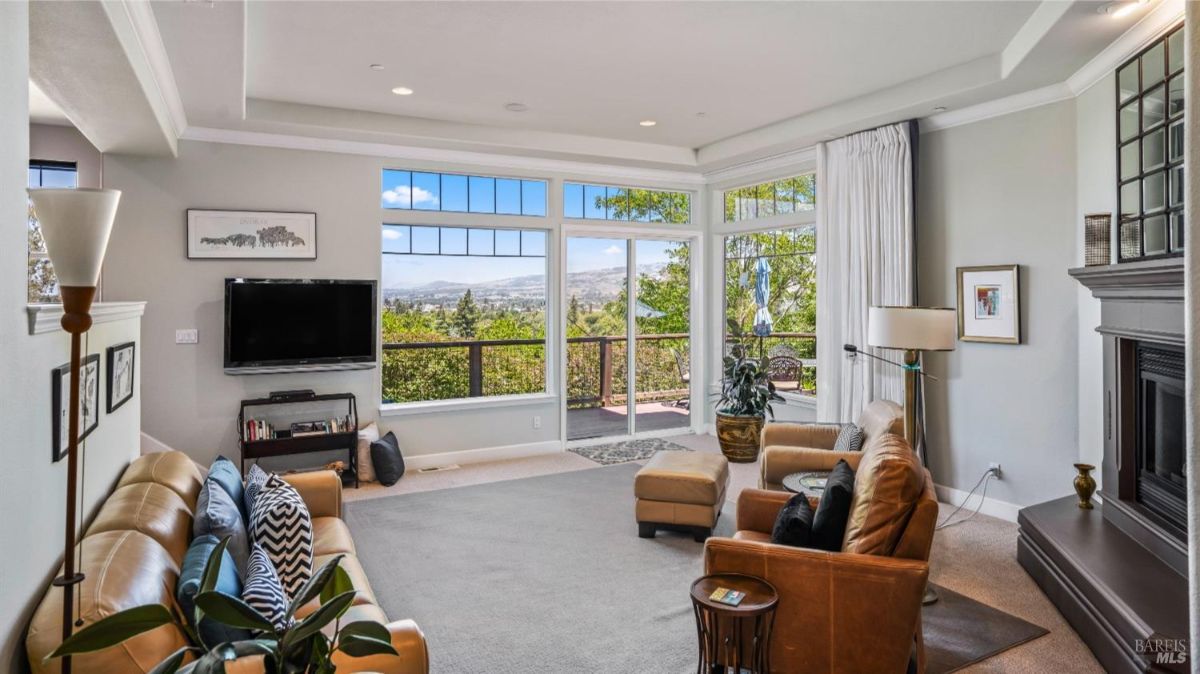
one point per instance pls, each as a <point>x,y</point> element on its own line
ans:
<point>917,328</point>
<point>75,224</point>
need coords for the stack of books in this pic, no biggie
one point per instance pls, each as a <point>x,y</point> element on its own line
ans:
<point>258,429</point>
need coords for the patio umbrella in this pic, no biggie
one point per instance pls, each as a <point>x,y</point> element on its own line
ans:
<point>762,293</point>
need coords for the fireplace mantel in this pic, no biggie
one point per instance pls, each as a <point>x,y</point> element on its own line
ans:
<point>1160,279</point>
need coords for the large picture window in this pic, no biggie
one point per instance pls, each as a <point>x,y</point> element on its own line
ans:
<point>464,312</point>
<point>787,258</point>
<point>42,283</point>
<point>1150,133</point>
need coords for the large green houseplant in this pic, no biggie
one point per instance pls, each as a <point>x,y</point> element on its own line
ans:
<point>746,396</point>
<point>301,648</point>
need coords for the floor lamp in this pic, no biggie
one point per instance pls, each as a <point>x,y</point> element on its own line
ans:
<point>75,224</point>
<point>912,329</point>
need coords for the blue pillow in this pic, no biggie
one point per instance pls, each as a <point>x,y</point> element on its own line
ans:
<point>190,575</point>
<point>217,514</point>
<point>226,474</point>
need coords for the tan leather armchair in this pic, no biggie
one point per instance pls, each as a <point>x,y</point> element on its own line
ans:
<point>838,612</point>
<point>795,447</point>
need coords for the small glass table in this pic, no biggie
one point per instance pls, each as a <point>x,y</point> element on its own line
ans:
<point>738,637</point>
<point>810,483</point>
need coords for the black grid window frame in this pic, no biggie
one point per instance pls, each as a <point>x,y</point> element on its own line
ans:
<point>1132,226</point>
<point>611,192</point>
<point>754,195</point>
<point>495,205</point>
<point>467,243</point>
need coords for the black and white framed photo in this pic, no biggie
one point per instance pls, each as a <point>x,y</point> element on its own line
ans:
<point>253,235</point>
<point>120,374</point>
<point>989,304</point>
<point>89,402</point>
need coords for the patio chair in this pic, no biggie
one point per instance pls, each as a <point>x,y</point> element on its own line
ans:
<point>685,376</point>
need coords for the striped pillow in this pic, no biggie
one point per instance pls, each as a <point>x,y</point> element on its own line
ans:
<point>281,524</point>
<point>262,590</point>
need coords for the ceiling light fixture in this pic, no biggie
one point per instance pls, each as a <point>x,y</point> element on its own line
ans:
<point>647,122</point>
<point>1120,9</point>
<point>516,107</point>
<point>402,91</point>
<point>376,66</point>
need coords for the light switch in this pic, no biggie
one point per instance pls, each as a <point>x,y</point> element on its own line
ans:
<point>190,336</point>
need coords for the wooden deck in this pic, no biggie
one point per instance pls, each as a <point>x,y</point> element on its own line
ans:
<point>597,422</point>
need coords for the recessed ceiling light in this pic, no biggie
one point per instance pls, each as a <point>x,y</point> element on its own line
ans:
<point>402,91</point>
<point>1119,9</point>
<point>647,122</point>
<point>516,107</point>
<point>939,109</point>
<point>376,66</point>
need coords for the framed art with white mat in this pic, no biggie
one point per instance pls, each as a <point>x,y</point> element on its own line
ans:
<point>989,304</point>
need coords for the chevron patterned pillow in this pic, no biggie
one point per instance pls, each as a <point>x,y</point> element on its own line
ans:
<point>255,479</point>
<point>281,524</point>
<point>262,590</point>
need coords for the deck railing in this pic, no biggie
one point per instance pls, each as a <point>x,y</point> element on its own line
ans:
<point>596,368</point>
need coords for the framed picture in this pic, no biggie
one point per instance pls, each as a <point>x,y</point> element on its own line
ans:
<point>120,374</point>
<point>251,235</point>
<point>89,402</point>
<point>989,304</point>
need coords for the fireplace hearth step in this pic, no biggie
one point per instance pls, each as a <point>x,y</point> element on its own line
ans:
<point>1112,591</point>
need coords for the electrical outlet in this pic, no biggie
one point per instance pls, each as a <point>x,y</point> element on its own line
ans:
<point>189,336</point>
<point>537,422</point>
<point>995,468</point>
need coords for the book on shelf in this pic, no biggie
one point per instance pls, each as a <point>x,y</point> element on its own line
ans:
<point>258,429</point>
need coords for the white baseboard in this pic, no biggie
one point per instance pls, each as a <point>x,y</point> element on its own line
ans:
<point>423,461</point>
<point>991,506</point>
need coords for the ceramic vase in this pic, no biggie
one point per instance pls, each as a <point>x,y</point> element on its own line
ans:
<point>1085,485</point>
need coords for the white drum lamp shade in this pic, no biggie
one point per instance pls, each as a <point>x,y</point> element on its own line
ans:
<point>912,328</point>
<point>76,224</point>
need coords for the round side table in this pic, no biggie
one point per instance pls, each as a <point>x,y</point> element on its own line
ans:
<point>809,483</point>
<point>723,629</point>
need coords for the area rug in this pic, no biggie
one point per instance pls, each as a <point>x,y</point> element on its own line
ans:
<point>626,450</point>
<point>547,574</point>
<point>960,631</point>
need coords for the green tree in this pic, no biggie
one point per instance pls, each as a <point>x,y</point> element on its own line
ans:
<point>573,311</point>
<point>466,316</point>
<point>647,205</point>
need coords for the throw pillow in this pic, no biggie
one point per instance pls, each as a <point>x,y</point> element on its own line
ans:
<point>217,514</point>
<point>389,462</point>
<point>793,526</point>
<point>367,436</point>
<point>849,439</point>
<point>263,591</point>
<point>281,524</point>
<point>191,573</point>
<point>226,473</point>
<point>256,477</point>
<point>829,522</point>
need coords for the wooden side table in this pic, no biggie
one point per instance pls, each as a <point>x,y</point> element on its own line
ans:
<point>722,629</point>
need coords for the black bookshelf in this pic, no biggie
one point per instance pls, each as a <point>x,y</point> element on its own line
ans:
<point>286,445</point>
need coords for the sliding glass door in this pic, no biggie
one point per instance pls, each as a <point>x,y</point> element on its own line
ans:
<point>628,353</point>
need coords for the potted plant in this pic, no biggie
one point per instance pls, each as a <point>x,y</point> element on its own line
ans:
<point>746,396</point>
<point>301,648</point>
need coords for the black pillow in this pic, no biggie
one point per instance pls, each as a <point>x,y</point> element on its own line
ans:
<point>793,526</point>
<point>829,522</point>
<point>386,457</point>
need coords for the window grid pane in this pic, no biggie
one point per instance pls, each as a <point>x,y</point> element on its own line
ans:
<point>610,202</point>
<point>778,197</point>
<point>450,192</point>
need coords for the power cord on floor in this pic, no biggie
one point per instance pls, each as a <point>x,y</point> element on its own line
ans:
<point>987,477</point>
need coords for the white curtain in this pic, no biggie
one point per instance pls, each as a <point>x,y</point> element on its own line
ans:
<point>864,259</point>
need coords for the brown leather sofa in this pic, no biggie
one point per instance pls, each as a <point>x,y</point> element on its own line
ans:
<point>793,447</point>
<point>857,610</point>
<point>131,556</point>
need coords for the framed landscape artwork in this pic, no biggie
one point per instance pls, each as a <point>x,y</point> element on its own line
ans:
<point>989,304</point>
<point>120,374</point>
<point>89,402</point>
<point>258,235</point>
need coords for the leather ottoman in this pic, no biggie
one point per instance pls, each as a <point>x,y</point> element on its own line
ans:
<point>682,491</point>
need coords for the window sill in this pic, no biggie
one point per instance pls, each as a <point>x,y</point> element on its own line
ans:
<point>799,399</point>
<point>464,404</point>
<point>44,318</point>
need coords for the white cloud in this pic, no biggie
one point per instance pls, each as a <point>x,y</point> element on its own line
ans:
<point>392,233</point>
<point>613,250</point>
<point>404,196</point>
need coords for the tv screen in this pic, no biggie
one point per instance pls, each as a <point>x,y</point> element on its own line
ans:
<point>278,324</point>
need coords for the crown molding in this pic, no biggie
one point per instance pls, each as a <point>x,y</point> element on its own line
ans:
<point>802,159</point>
<point>135,25</point>
<point>45,318</point>
<point>1154,24</point>
<point>998,107</point>
<point>440,155</point>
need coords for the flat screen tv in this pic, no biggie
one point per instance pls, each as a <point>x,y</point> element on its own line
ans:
<point>289,325</point>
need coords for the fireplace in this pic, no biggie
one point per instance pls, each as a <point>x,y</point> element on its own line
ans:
<point>1159,455</point>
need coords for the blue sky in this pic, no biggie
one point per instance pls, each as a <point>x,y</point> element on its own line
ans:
<point>583,254</point>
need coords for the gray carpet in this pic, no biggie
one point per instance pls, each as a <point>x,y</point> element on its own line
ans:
<point>547,574</point>
<point>626,450</point>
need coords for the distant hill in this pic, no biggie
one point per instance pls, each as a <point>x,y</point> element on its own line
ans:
<point>591,287</point>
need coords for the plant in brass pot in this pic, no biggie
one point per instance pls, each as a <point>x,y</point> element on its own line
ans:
<point>300,648</point>
<point>746,396</point>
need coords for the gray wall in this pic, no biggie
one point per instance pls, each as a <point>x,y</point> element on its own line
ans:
<point>32,488</point>
<point>1002,191</point>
